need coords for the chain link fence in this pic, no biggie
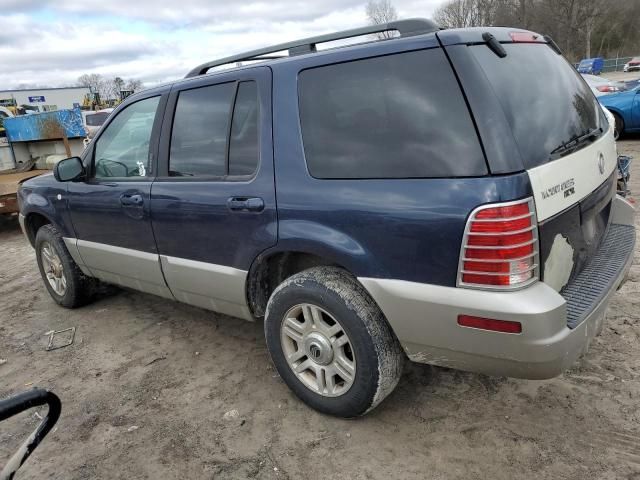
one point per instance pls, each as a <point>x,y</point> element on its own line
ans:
<point>615,64</point>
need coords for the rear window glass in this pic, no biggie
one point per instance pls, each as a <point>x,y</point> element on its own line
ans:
<point>398,116</point>
<point>96,119</point>
<point>545,100</point>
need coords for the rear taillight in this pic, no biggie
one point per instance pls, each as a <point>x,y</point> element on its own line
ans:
<point>500,246</point>
<point>607,88</point>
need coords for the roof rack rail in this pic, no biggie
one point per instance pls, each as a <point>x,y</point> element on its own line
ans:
<point>406,28</point>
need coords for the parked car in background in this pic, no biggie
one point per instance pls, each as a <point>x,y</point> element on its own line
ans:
<point>603,86</point>
<point>632,65</point>
<point>94,120</point>
<point>625,107</point>
<point>404,198</point>
<point>593,66</point>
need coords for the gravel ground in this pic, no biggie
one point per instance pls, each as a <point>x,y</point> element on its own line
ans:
<point>147,383</point>
<point>624,76</point>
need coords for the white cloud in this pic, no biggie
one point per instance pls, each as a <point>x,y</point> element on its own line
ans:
<point>155,41</point>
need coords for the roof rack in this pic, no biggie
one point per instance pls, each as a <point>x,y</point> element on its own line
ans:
<point>406,28</point>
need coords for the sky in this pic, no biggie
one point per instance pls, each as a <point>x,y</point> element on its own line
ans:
<point>53,42</point>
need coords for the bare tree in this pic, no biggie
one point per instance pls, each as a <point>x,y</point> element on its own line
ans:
<point>95,82</point>
<point>134,85</point>
<point>380,12</point>
<point>109,89</point>
<point>466,13</point>
<point>580,27</point>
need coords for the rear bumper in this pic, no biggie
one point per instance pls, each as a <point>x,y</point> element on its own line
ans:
<point>424,318</point>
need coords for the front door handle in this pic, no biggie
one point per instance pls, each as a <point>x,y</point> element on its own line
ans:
<point>245,204</point>
<point>131,200</point>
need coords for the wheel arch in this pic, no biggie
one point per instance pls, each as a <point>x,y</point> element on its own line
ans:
<point>274,266</point>
<point>34,221</point>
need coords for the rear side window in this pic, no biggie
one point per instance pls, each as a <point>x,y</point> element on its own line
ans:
<point>398,116</point>
<point>243,144</point>
<point>208,138</point>
<point>200,128</point>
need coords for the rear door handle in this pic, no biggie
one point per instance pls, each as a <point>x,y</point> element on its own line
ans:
<point>131,200</point>
<point>245,204</point>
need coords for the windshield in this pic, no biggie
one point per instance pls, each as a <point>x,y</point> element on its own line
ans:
<point>585,63</point>
<point>546,102</point>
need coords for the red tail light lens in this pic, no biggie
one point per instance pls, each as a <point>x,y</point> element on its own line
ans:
<point>607,88</point>
<point>500,246</point>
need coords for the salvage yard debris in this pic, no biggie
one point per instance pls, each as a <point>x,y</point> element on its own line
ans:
<point>52,334</point>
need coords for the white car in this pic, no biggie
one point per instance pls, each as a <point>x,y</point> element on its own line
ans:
<point>633,64</point>
<point>94,120</point>
<point>603,86</point>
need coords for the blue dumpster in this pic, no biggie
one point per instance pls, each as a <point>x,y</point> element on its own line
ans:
<point>45,126</point>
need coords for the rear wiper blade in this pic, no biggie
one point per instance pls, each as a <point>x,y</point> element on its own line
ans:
<point>577,140</point>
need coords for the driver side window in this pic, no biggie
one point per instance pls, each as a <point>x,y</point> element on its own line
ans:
<point>123,148</point>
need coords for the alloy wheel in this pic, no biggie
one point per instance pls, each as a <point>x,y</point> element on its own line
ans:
<point>318,350</point>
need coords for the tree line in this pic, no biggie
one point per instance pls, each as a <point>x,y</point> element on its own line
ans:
<point>582,28</point>
<point>108,88</point>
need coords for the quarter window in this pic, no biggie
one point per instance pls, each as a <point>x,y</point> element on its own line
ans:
<point>397,116</point>
<point>123,148</point>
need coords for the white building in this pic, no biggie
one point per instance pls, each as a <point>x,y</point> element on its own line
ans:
<point>46,99</point>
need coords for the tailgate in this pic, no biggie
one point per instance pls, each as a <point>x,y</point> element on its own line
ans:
<point>536,114</point>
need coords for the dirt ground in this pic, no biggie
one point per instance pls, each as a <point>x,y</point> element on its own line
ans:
<point>173,372</point>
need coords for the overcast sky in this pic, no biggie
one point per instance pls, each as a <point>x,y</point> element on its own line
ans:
<point>53,42</point>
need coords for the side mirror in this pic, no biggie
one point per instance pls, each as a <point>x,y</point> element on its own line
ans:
<point>69,169</point>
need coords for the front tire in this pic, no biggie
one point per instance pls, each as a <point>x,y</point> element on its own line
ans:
<point>330,342</point>
<point>64,280</point>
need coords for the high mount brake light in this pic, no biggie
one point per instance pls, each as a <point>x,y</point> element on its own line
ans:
<point>500,247</point>
<point>526,37</point>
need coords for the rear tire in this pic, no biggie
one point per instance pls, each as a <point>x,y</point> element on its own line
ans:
<point>64,280</point>
<point>330,342</point>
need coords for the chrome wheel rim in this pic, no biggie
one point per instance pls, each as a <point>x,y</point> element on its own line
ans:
<point>53,269</point>
<point>318,350</point>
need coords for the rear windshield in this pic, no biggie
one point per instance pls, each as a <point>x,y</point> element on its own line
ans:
<point>398,116</point>
<point>545,100</point>
<point>96,119</point>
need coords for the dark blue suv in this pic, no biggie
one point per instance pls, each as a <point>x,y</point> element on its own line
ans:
<point>420,197</point>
